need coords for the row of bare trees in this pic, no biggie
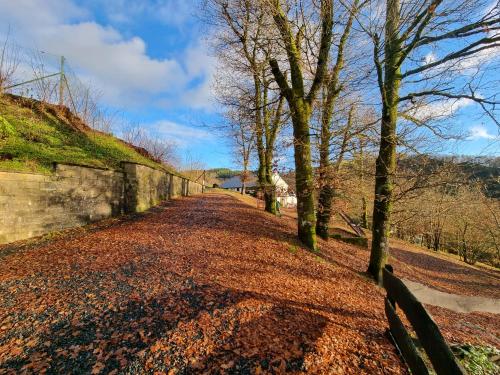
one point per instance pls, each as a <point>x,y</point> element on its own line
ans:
<point>30,73</point>
<point>460,219</point>
<point>347,76</point>
<point>160,150</point>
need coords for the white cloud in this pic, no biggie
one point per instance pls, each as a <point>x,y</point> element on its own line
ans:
<point>119,65</point>
<point>440,109</point>
<point>30,13</point>
<point>430,58</point>
<point>174,12</point>
<point>200,64</point>
<point>480,132</point>
<point>182,134</point>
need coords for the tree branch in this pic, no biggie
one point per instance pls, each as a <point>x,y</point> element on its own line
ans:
<point>326,41</point>
<point>485,43</point>
<point>281,80</point>
<point>446,95</point>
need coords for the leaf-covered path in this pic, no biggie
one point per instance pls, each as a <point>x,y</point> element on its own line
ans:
<point>201,285</point>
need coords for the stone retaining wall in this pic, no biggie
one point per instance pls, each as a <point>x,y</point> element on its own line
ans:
<point>144,187</point>
<point>35,204</point>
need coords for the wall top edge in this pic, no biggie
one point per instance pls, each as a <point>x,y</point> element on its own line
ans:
<point>55,164</point>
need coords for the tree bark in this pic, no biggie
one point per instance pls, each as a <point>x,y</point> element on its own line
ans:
<point>328,189</point>
<point>325,170</point>
<point>270,189</point>
<point>333,89</point>
<point>304,174</point>
<point>364,213</point>
<point>386,160</point>
<point>300,105</point>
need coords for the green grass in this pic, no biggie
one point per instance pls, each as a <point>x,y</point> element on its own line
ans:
<point>32,139</point>
<point>478,360</point>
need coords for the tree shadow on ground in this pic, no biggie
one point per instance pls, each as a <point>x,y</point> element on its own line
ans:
<point>227,328</point>
<point>127,299</point>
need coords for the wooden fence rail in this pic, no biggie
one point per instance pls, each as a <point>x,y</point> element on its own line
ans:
<point>428,334</point>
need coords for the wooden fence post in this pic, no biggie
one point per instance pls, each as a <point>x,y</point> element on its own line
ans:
<point>438,351</point>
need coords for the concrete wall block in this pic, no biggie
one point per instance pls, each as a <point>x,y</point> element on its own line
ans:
<point>130,169</point>
<point>145,187</point>
<point>27,177</point>
<point>34,204</point>
<point>68,171</point>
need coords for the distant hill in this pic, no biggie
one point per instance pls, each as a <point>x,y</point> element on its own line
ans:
<point>486,170</point>
<point>33,135</point>
<point>477,168</point>
<point>223,173</point>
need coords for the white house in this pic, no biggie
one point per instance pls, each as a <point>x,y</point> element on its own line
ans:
<point>284,194</point>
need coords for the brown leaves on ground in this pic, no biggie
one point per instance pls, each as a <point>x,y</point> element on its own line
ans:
<point>201,285</point>
<point>437,271</point>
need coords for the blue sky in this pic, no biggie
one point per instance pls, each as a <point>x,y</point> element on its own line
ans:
<point>151,61</point>
<point>148,58</point>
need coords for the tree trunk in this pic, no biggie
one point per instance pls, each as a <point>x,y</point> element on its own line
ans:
<point>364,213</point>
<point>300,105</point>
<point>324,211</point>
<point>270,192</point>
<point>364,209</point>
<point>386,160</point>
<point>327,191</point>
<point>304,174</point>
<point>385,166</point>
<point>259,136</point>
<point>325,173</point>
<point>270,200</point>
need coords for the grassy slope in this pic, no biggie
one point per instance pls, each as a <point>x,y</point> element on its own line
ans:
<point>33,136</point>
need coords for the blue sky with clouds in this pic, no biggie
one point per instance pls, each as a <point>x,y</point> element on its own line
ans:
<point>150,60</point>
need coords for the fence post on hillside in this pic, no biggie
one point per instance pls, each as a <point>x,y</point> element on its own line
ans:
<point>401,338</point>
<point>427,331</point>
<point>61,82</point>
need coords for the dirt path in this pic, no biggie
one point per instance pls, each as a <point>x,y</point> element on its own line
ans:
<point>444,273</point>
<point>455,302</point>
<point>202,284</point>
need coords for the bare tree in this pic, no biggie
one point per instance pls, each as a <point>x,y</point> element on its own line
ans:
<point>42,89</point>
<point>9,62</point>
<point>241,133</point>
<point>457,33</point>
<point>245,80</point>
<point>332,88</point>
<point>162,151</point>
<point>293,23</point>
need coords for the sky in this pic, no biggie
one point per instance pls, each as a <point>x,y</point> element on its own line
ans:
<point>150,60</point>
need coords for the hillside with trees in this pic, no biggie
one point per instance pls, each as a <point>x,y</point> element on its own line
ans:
<point>371,85</point>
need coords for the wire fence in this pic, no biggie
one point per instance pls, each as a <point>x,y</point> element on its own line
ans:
<point>50,78</point>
